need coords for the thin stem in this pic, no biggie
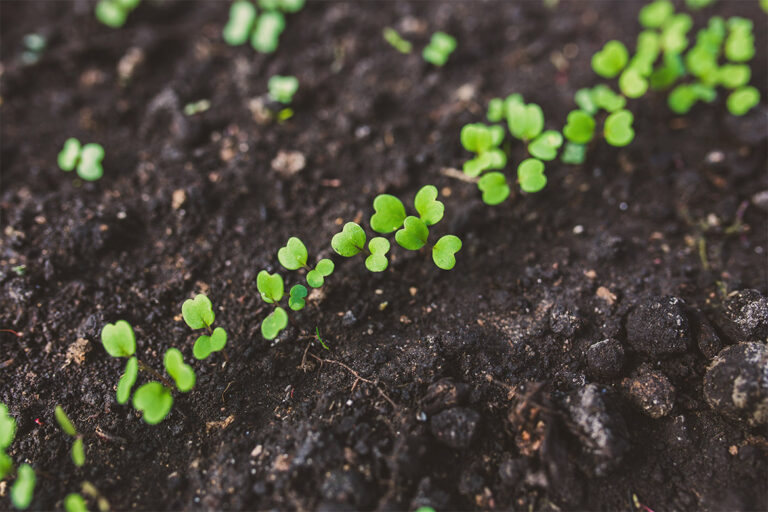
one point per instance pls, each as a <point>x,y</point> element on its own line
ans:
<point>144,367</point>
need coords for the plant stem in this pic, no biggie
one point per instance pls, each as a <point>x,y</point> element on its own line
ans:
<point>144,367</point>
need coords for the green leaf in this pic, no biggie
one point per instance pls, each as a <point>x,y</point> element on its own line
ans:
<point>282,88</point>
<point>496,110</point>
<point>69,154</point>
<point>525,121</point>
<point>205,345</point>
<point>494,188</point>
<point>413,235</point>
<point>671,69</point>
<point>127,380</point>
<point>350,241</point>
<point>6,464</point>
<point>740,44</point>
<point>266,35</point>
<point>606,99</point>
<point>430,209</point>
<point>377,261</point>
<point>297,295</point>
<point>89,167</point>
<point>183,374</point>
<point>574,153</point>
<point>270,286</point>
<point>609,61</point>
<point>444,251</point>
<point>390,213</point>
<point>198,312</point>
<point>118,339</point>
<point>530,174</point>
<point>545,146</point>
<point>440,47</point>
<point>742,100</point>
<point>24,487</point>
<point>618,128</point>
<point>110,13</point>
<point>474,167</point>
<point>632,83</point>
<point>7,427</point>
<point>656,14</point>
<point>476,137</point>
<point>316,277</point>
<point>274,323</point>
<point>673,36</point>
<point>732,76</point>
<point>580,127</point>
<point>64,422</point>
<point>294,255</point>
<point>584,100</point>
<point>396,41</point>
<point>154,400</point>
<point>78,452</point>
<point>75,503</point>
<point>291,5</point>
<point>242,16</point>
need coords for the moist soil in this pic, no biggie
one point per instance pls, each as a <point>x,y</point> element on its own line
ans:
<point>470,389</point>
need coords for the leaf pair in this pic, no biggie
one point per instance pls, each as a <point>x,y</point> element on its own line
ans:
<point>113,13</point>
<point>78,450</point>
<point>525,121</point>
<point>85,159</point>
<point>483,140</point>
<point>198,314</point>
<point>351,240</point>
<point>282,88</point>
<point>390,213</point>
<point>440,47</point>
<point>618,128</point>
<point>263,31</point>
<point>293,256</point>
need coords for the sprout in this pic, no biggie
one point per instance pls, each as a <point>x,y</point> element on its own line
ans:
<point>494,188</point>
<point>545,146</point>
<point>430,209</point>
<point>698,4</point>
<point>496,110</point>
<point>198,314</point>
<point>671,69</point>
<point>656,14</point>
<point>85,159</point>
<point>440,47</point>
<point>673,36</point>
<point>483,140</point>
<point>609,61</point>
<point>113,13</point>
<point>316,277</point>
<point>282,88</point>
<point>618,128</point>
<point>413,235</point>
<point>580,127</point>
<point>742,100</point>
<point>684,96</point>
<point>296,297</point>
<point>23,487</point>
<point>270,287</point>
<point>294,255</point>
<point>444,251</point>
<point>266,35</point>
<point>525,121</point>
<point>389,213</point>
<point>604,98</point>
<point>377,261</point>
<point>127,380</point>
<point>530,174</point>
<point>350,241</point>
<point>242,16</point>
<point>183,374</point>
<point>732,76</point>
<point>7,428</point>
<point>632,83</point>
<point>398,43</point>
<point>274,323</point>
<point>74,502</point>
<point>78,450</point>
<point>154,400</point>
<point>118,339</point>
<point>740,44</point>
<point>574,153</point>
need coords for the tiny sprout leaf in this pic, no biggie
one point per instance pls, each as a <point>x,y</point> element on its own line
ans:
<point>398,43</point>
<point>296,300</point>
<point>64,422</point>
<point>609,61</point>
<point>89,167</point>
<point>440,47</point>
<point>6,464</point>
<point>476,137</point>
<point>444,251</point>
<point>274,323</point>
<point>430,209</point>
<point>390,213</point>
<point>606,99</point>
<point>205,345</point>
<point>78,452</point>
<point>495,110</point>
<point>545,146</point>
<point>618,128</point>
<point>742,100</point>
<point>475,167</point>
<point>24,487</point>
<point>316,277</point>
<point>413,235</point>
<point>118,339</point>
<point>294,255</point>
<point>111,13</point>
<point>350,241</point>
<point>580,127</point>
<point>732,76</point>
<point>584,99</point>
<point>127,380</point>
<point>270,286</point>
<point>530,174</point>
<point>377,261</point>
<point>282,88</point>
<point>673,36</point>
<point>266,35</point>
<point>69,154</point>
<point>75,503</point>
<point>242,15</point>
<point>183,374</point>
<point>574,153</point>
<point>525,121</point>
<point>632,83</point>
<point>198,312</point>
<point>656,14</point>
<point>7,428</point>
<point>154,400</point>
<point>494,188</point>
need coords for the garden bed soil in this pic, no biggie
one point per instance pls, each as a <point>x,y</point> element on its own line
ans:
<point>470,389</point>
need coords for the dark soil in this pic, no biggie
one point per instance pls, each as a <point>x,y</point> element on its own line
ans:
<point>499,401</point>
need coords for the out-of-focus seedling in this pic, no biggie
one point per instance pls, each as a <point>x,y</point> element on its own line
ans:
<point>263,30</point>
<point>266,34</point>
<point>525,121</point>
<point>440,47</point>
<point>154,400</point>
<point>609,61</point>
<point>530,175</point>
<point>113,13</point>
<point>74,502</point>
<point>198,314</point>
<point>242,16</point>
<point>23,488</point>
<point>618,128</point>
<point>34,46</point>
<point>484,141</point>
<point>742,100</point>
<point>396,41</point>
<point>282,88</point>
<point>78,449</point>
<point>580,127</point>
<point>85,159</point>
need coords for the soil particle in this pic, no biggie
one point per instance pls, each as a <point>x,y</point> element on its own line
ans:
<point>513,470</point>
<point>659,326</point>
<point>745,316</point>
<point>605,359</point>
<point>651,392</point>
<point>443,394</point>
<point>455,427</point>
<point>736,383</point>
<point>347,487</point>
<point>600,428</point>
<point>708,340</point>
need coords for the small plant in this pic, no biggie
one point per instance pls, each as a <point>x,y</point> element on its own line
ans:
<point>113,13</point>
<point>242,16</point>
<point>440,47</point>
<point>396,41</point>
<point>262,30</point>
<point>198,314</point>
<point>266,34</point>
<point>484,141</point>
<point>282,88</point>
<point>609,61</point>
<point>78,450</point>
<point>85,159</point>
<point>34,46</point>
<point>23,487</point>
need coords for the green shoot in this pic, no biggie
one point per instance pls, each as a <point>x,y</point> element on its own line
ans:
<point>684,96</point>
<point>206,344</point>
<point>732,76</point>
<point>274,323</point>
<point>297,296</point>
<point>618,128</point>
<point>113,13</point>
<point>545,146</point>
<point>242,16</point>
<point>632,83</point>
<point>377,261</point>
<point>85,159</point>
<point>574,153</point>
<point>64,422</point>
<point>580,127</point>
<point>78,450</point>
<point>118,339</point>
<point>74,502</point>
<point>350,241</point>
<point>440,47</point>
<point>740,44</point>
<point>318,338</point>
<point>389,213</point>
<point>742,100</point>
<point>198,314</point>
<point>7,428</point>
<point>266,35</point>
<point>430,209</point>
<point>154,400</point>
<point>282,88</point>
<point>530,174</point>
<point>444,251</point>
<point>496,111</point>
<point>656,14</point>
<point>609,61</point>
<point>316,277</point>
<point>525,121</point>
<point>24,487</point>
<point>183,374</point>
<point>483,140</point>
<point>604,97</point>
<point>293,255</point>
<point>413,235</point>
<point>270,287</point>
<point>396,41</point>
<point>127,380</point>
<point>674,34</point>
<point>494,188</point>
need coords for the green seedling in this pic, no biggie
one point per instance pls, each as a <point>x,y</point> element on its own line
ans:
<point>674,34</point>
<point>604,98</point>
<point>525,121</point>
<point>609,61</point>
<point>377,261</point>
<point>545,146</point>
<point>198,314</point>
<point>656,14</point>
<point>684,97</point>
<point>413,235</point>
<point>294,255</point>
<point>7,434</point>
<point>183,374</point>
<point>316,277</point>
<point>350,241</point>
<point>297,296</point>
<point>484,141</point>
<point>270,287</point>
<point>118,339</point>
<point>389,213</point>
<point>23,488</point>
<point>496,110</point>
<point>742,100</point>
<point>667,74</point>
<point>242,17</point>
<point>580,127</point>
<point>646,52</point>
<point>282,5</point>
<point>320,340</point>
<point>440,47</point>
<point>282,88</point>
<point>274,323</point>
<point>197,107</point>
<point>85,159</point>
<point>396,41</point>
<point>698,4</point>
<point>530,175</point>
<point>732,76</point>
<point>266,35</point>
<point>494,188</point>
<point>618,128</point>
<point>34,45</point>
<point>632,83</point>
<point>113,13</point>
<point>154,400</point>
<point>430,210</point>
<point>74,502</point>
<point>574,153</point>
<point>444,251</point>
<point>127,380</point>
<point>78,450</point>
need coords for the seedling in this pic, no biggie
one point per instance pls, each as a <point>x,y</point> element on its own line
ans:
<point>183,374</point>
<point>320,340</point>
<point>545,146</point>
<point>609,61</point>
<point>74,502</point>
<point>34,45</point>
<point>272,289</point>
<point>24,486</point>
<point>618,128</point>
<point>154,400</point>
<point>742,100</point>
<point>574,153</point>
<point>632,83</point>
<point>85,159</point>
<point>198,314</point>
<point>297,296</point>
<point>525,121</point>
<point>684,96</point>
<point>294,255</point>
<point>530,175</point>
<point>494,188</point>
<point>242,16</point>
<point>78,450</point>
<point>580,127</point>
<point>113,13</point>
<point>656,14</point>
<point>698,4</point>
<point>444,251</point>
<point>377,260</point>
<point>266,35</point>
<point>197,107</point>
<point>740,44</point>
<point>440,47</point>
<point>396,41</point>
<point>484,141</point>
<point>413,235</point>
<point>282,88</point>
<point>263,31</point>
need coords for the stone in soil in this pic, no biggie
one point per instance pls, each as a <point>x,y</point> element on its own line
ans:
<point>745,316</point>
<point>455,427</point>
<point>736,383</point>
<point>605,359</point>
<point>651,392</point>
<point>658,326</point>
<point>443,394</point>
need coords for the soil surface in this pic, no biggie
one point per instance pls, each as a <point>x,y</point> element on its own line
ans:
<point>560,365</point>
